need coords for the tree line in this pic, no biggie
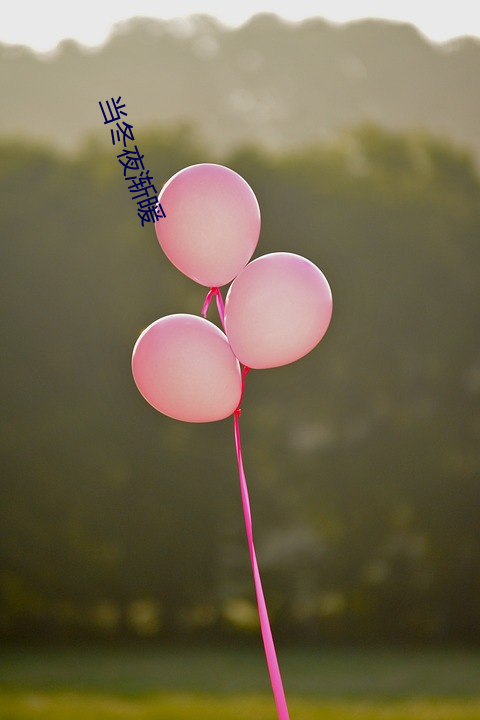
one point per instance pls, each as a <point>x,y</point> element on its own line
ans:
<point>362,458</point>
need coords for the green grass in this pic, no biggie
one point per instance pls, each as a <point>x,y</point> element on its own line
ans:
<point>75,706</point>
<point>232,684</point>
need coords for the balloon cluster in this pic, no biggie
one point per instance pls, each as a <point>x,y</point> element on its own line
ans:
<point>277,308</point>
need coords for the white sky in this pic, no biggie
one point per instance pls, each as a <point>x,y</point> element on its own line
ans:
<point>41,24</point>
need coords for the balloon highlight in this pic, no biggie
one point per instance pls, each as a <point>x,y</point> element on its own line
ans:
<point>184,367</point>
<point>277,310</point>
<point>212,223</point>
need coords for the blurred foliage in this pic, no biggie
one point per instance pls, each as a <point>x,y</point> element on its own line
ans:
<point>276,83</point>
<point>363,458</point>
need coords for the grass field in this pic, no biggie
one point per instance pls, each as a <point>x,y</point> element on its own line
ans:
<point>232,684</point>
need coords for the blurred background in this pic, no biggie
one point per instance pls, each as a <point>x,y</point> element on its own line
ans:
<point>361,141</point>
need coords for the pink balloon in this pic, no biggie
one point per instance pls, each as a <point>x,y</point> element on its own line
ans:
<point>184,367</point>
<point>212,223</point>
<point>277,309</point>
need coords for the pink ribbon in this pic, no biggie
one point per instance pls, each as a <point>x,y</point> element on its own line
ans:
<point>220,306</point>
<point>272,662</point>
<point>268,644</point>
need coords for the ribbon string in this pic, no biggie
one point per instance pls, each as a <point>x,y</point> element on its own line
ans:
<point>220,306</point>
<point>268,644</point>
<point>271,656</point>
<point>208,299</point>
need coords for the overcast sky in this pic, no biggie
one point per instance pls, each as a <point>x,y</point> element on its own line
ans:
<point>41,24</point>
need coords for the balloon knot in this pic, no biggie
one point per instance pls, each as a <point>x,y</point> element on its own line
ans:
<point>238,412</point>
